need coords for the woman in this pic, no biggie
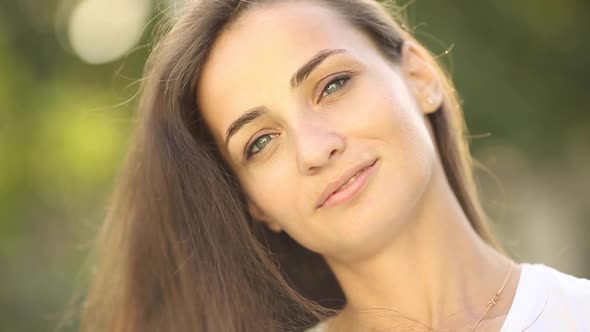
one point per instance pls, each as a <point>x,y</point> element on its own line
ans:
<point>303,163</point>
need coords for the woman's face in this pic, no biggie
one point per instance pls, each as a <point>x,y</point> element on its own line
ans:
<point>321,102</point>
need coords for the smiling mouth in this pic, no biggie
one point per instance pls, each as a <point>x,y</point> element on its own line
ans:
<point>352,179</point>
<point>351,188</point>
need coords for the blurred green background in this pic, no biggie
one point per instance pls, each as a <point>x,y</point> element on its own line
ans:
<point>68,78</point>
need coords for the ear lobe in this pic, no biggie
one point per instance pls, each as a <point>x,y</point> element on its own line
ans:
<point>422,77</point>
<point>275,227</point>
<point>255,211</point>
<point>259,216</point>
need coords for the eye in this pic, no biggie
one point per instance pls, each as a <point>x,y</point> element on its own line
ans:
<point>258,144</point>
<point>334,85</point>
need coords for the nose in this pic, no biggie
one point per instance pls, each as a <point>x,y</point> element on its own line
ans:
<point>317,145</point>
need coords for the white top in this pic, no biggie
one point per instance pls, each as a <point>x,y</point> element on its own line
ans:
<point>546,300</point>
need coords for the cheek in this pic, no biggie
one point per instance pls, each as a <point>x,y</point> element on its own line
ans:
<point>273,191</point>
<point>278,191</point>
<point>403,128</point>
<point>398,120</point>
<point>412,159</point>
<point>397,129</point>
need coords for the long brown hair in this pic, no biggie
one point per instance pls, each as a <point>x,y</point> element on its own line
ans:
<point>178,250</point>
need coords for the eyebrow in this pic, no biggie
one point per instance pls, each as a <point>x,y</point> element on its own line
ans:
<point>244,119</point>
<point>300,75</point>
<point>311,64</point>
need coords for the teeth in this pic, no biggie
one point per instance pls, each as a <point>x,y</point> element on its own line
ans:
<point>352,179</point>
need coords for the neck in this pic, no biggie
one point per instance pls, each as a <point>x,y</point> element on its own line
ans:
<point>437,272</point>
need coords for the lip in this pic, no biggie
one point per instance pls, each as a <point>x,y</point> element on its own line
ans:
<point>335,185</point>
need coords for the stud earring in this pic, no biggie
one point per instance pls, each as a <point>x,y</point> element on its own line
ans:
<point>430,100</point>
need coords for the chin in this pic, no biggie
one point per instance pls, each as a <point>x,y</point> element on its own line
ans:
<point>377,219</point>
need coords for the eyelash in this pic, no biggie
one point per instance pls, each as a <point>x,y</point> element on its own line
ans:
<point>344,78</point>
<point>341,78</point>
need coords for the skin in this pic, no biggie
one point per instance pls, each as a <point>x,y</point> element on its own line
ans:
<point>403,243</point>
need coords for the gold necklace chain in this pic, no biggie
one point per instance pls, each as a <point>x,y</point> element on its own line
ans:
<point>494,299</point>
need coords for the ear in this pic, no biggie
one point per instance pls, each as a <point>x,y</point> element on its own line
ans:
<point>259,215</point>
<point>422,77</point>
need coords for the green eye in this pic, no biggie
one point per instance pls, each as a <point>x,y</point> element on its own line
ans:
<point>334,85</point>
<point>259,144</point>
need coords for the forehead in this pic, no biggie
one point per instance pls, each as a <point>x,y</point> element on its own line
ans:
<point>253,58</point>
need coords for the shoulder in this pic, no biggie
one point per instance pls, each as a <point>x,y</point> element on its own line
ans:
<point>549,300</point>
<point>552,298</point>
<point>319,327</point>
<point>573,289</point>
